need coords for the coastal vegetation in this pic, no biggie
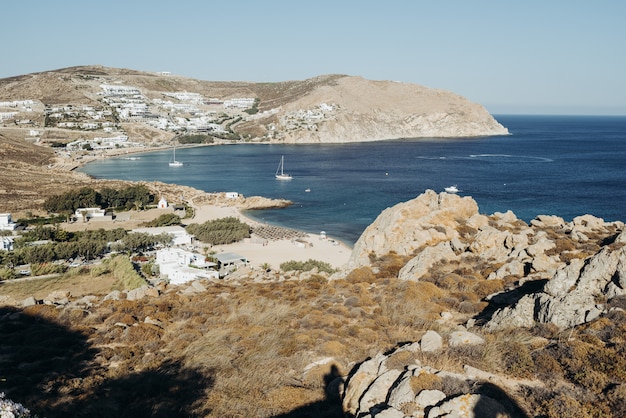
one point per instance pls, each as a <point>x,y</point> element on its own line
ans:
<point>45,244</point>
<point>220,231</point>
<point>307,266</point>
<point>166,219</point>
<point>195,139</point>
<point>134,196</point>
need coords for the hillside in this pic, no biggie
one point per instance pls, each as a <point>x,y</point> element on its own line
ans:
<point>434,321</point>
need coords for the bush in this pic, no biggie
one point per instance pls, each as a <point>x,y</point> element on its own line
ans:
<point>220,231</point>
<point>195,139</point>
<point>167,219</point>
<point>308,265</point>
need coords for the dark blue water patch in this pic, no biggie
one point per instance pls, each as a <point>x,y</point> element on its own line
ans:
<point>553,165</point>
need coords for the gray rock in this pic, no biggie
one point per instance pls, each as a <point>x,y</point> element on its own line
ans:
<point>431,341</point>
<point>469,406</point>
<point>29,301</point>
<point>419,265</point>
<point>401,393</point>
<point>377,392</point>
<point>114,295</point>
<point>198,286</point>
<point>138,293</point>
<point>428,398</point>
<point>459,338</point>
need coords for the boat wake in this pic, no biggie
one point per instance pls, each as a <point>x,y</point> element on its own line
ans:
<point>500,158</point>
<point>509,157</point>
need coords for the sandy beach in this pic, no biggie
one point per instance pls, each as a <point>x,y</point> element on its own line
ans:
<point>260,249</point>
<point>268,244</point>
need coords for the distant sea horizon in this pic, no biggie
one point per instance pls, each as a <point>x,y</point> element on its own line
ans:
<point>549,165</point>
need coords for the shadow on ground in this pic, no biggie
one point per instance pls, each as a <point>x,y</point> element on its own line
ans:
<point>329,407</point>
<point>51,370</point>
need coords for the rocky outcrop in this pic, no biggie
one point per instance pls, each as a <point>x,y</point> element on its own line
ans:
<point>383,386</point>
<point>427,220</point>
<point>445,229</point>
<point>578,293</point>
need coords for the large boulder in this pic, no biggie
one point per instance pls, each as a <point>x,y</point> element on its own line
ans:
<point>428,219</point>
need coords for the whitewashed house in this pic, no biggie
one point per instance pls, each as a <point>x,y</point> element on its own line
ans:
<point>175,264</point>
<point>178,233</point>
<point>6,243</point>
<point>91,213</point>
<point>162,203</point>
<point>6,223</point>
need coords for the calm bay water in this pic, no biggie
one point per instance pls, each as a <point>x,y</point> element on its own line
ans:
<point>549,165</point>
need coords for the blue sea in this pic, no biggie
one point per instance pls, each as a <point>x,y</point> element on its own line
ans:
<point>549,165</point>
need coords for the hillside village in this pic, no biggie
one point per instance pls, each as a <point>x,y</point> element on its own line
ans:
<point>177,112</point>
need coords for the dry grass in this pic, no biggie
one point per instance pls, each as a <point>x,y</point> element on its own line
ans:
<point>249,344</point>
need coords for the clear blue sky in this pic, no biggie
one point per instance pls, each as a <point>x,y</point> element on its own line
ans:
<point>533,57</point>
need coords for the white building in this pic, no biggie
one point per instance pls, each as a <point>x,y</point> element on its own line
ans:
<point>111,90</point>
<point>162,203</point>
<point>6,243</point>
<point>178,233</point>
<point>89,213</point>
<point>174,263</point>
<point>6,223</point>
<point>240,102</point>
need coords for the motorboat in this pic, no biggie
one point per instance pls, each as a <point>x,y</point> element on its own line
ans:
<point>452,189</point>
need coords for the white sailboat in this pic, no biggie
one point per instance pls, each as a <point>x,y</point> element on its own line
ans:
<point>280,174</point>
<point>173,162</point>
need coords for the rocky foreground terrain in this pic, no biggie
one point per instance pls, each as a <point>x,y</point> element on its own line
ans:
<point>442,311</point>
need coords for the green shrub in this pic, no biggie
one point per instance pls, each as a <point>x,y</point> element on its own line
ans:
<point>308,265</point>
<point>166,219</point>
<point>220,231</point>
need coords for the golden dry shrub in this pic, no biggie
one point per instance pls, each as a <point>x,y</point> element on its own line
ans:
<point>517,360</point>
<point>142,333</point>
<point>120,317</point>
<point>546,367</point>
<point>287,398</point>
<point>425,381</point>
<point>400,360</point>
<point>389,265</point>
<point>564,406</point>
<point>47,312</point>
<point>333,348</point>
<point>561,244</point>
<point>485,288</point>
<point>361,275</point>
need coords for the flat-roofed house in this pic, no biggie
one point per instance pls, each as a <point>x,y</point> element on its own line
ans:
<point>178,233</point>
<point>6,223</point>
<point>180,266</point>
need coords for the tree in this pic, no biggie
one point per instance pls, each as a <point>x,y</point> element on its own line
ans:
<point>220,231</point>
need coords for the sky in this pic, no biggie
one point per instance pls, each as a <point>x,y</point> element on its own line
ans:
<point>513,57</point>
